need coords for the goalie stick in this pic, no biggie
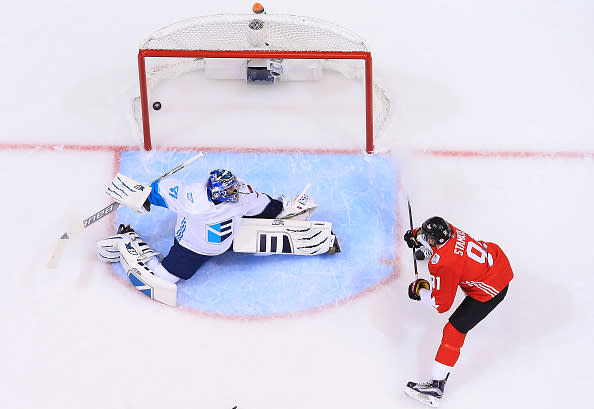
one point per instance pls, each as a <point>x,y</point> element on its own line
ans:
<point>59,248</point>
<point>413,250</point>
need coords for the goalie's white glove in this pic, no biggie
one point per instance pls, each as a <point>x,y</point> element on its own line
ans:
<point>129,192</point>
<point>300,208</point>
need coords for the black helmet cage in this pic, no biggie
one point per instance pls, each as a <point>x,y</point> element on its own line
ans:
<point>436,229</point>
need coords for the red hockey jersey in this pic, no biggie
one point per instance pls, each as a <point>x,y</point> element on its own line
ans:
<point>481,269</point>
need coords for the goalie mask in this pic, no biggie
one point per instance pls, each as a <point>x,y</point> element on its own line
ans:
<point>436,230</point>
<point>222,186</point>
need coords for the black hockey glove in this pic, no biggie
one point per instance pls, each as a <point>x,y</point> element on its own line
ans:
<point>410,237</point>
<point>415,287</point>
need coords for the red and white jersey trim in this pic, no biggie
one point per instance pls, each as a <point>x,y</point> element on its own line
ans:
<point>486,288</point>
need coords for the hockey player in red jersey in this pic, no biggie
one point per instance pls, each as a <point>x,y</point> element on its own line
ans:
<point>480,269</point>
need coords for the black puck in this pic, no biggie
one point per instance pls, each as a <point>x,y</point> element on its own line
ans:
<point>156,105</point>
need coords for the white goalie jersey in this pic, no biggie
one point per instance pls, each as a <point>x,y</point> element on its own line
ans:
<point>202,226</point>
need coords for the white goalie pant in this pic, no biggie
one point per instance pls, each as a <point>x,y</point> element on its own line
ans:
<point>279,236</point>
<point>137,258</point>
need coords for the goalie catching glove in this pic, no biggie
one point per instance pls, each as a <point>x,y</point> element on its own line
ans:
<point>300,208</point>
<point>130,193</point>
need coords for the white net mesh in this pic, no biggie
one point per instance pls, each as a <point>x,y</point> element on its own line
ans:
<point>252,32</point>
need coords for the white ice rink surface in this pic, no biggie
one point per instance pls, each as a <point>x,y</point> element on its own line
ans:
<point>506,76</point>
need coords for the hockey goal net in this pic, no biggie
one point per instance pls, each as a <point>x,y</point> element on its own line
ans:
<point>258,48</point>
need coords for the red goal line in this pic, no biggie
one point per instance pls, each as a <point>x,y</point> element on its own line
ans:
<point>508,154</point>
<point>46,147</point>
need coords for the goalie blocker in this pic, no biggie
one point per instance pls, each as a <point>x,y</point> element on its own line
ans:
<point>281,236</point>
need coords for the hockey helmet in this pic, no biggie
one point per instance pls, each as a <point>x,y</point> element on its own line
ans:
<point>222,186</point>
<point>436,230</point>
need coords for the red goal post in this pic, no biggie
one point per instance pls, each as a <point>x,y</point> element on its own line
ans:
<point>276,37</point>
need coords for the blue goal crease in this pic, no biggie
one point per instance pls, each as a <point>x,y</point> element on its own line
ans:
<point>357,193</point>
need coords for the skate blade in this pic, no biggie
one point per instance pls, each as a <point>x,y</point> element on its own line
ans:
<point>427,400</point>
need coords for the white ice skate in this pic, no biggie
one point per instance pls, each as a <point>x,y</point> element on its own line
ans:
<point>429,393</point>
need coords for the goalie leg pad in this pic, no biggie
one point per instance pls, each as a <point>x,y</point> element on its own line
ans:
<point>276,236</point>
<point>143,278</point>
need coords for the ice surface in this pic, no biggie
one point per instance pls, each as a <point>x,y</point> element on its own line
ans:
<point>466,75</point>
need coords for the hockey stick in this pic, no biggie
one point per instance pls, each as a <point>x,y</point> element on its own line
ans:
<point>59,249</point>
<point>413,250</point>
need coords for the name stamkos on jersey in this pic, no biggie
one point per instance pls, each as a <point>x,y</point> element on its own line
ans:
<point>435,258</point>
